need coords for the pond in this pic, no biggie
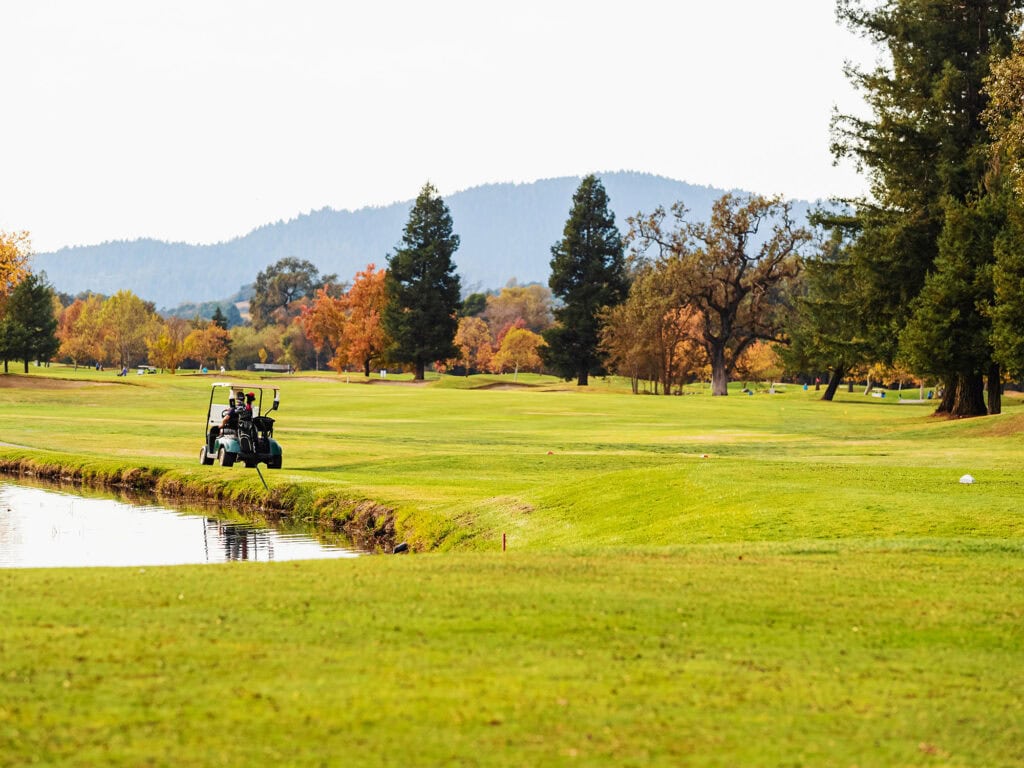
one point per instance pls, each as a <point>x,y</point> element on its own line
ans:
<point>49,527</point>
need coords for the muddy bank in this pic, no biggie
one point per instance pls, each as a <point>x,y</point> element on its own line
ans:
<point>369,525</point>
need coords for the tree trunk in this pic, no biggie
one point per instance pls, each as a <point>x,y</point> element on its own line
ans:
<point>366,367</point>
<point>948,396</point>
<point>970,397</point>
<point>666,382</point>
<point>719,380</point>
<point>420,370</point>
<point>833,383</point>
<point>26,365</point>
<point>995,390</point>
<point>582,379</point>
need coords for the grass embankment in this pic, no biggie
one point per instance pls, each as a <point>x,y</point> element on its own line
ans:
<point>819,590</point>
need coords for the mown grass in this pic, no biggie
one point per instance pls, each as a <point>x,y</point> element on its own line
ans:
<point>765,580</point>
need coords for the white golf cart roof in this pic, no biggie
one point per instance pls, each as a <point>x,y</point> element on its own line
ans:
<point>250,385</point>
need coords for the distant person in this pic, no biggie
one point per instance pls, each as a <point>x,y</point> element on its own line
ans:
<point>236,407</point>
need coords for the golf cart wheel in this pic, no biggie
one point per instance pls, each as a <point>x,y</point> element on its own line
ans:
<point>224,458</point>
<point>204,458</point>
<point>274,463</point>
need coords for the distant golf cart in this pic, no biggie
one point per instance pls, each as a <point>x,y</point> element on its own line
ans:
<point>248,440</point>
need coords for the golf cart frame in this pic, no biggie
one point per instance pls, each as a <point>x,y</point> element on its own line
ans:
<point>252,441</point>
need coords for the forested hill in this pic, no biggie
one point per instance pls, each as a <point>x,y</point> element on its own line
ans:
<point>507,231</point>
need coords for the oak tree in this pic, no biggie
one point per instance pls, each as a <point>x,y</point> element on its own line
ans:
<point>741,287</point>
<point>280,287</point>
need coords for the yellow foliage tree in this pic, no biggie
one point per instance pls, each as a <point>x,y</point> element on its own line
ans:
<point>78,330</point>
<point>759,361</point>
<point>126,323</point>
<point>168,349</point>
<point>15,252</point>
<point>210,344</point>
<point>519,349</point>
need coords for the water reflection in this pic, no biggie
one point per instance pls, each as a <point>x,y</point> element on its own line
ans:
<point>44,527</point>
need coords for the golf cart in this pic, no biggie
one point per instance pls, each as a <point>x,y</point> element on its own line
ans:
<point>236,434</point>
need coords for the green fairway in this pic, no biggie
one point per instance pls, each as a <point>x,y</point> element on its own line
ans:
<point>766,580</point>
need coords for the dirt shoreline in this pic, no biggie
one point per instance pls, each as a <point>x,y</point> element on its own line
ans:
<point>369,525</point>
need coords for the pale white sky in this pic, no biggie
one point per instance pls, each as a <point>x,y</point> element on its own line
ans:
<point>199,120</point>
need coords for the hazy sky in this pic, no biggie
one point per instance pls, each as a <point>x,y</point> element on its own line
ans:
<point>199,121</point>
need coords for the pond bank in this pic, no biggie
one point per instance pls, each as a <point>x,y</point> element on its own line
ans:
<point>369,525</point>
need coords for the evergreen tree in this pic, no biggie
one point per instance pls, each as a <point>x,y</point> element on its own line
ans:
<point>421,313</point>
<point>588,273</point>
<point>1005,121</point>
<point>826,331</point>
<point>29,327</point>
<point>949,332</point>
<point>925,149</point>
<point>473,305</point>
<point>219,319</point>
<point>1008,310</point>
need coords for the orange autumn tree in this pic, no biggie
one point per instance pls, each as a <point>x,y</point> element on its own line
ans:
<point>350,324</point>
<point>77,330</point>
<point>322,321</point>
<point>476,348</point>
<point>364,335</point>
<point>209,344</point>
<point>759,362</point>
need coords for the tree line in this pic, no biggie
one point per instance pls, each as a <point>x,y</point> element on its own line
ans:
<point>920,279</point>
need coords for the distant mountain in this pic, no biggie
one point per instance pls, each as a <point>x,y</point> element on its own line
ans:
<point>507,231</point>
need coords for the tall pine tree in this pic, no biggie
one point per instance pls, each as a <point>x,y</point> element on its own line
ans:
<point>421,313</point>
<point>588,273</point>
<point>925,149</point>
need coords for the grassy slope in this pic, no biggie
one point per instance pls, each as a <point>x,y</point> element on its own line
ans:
<point>819,590</point>
<point>565,468</point>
